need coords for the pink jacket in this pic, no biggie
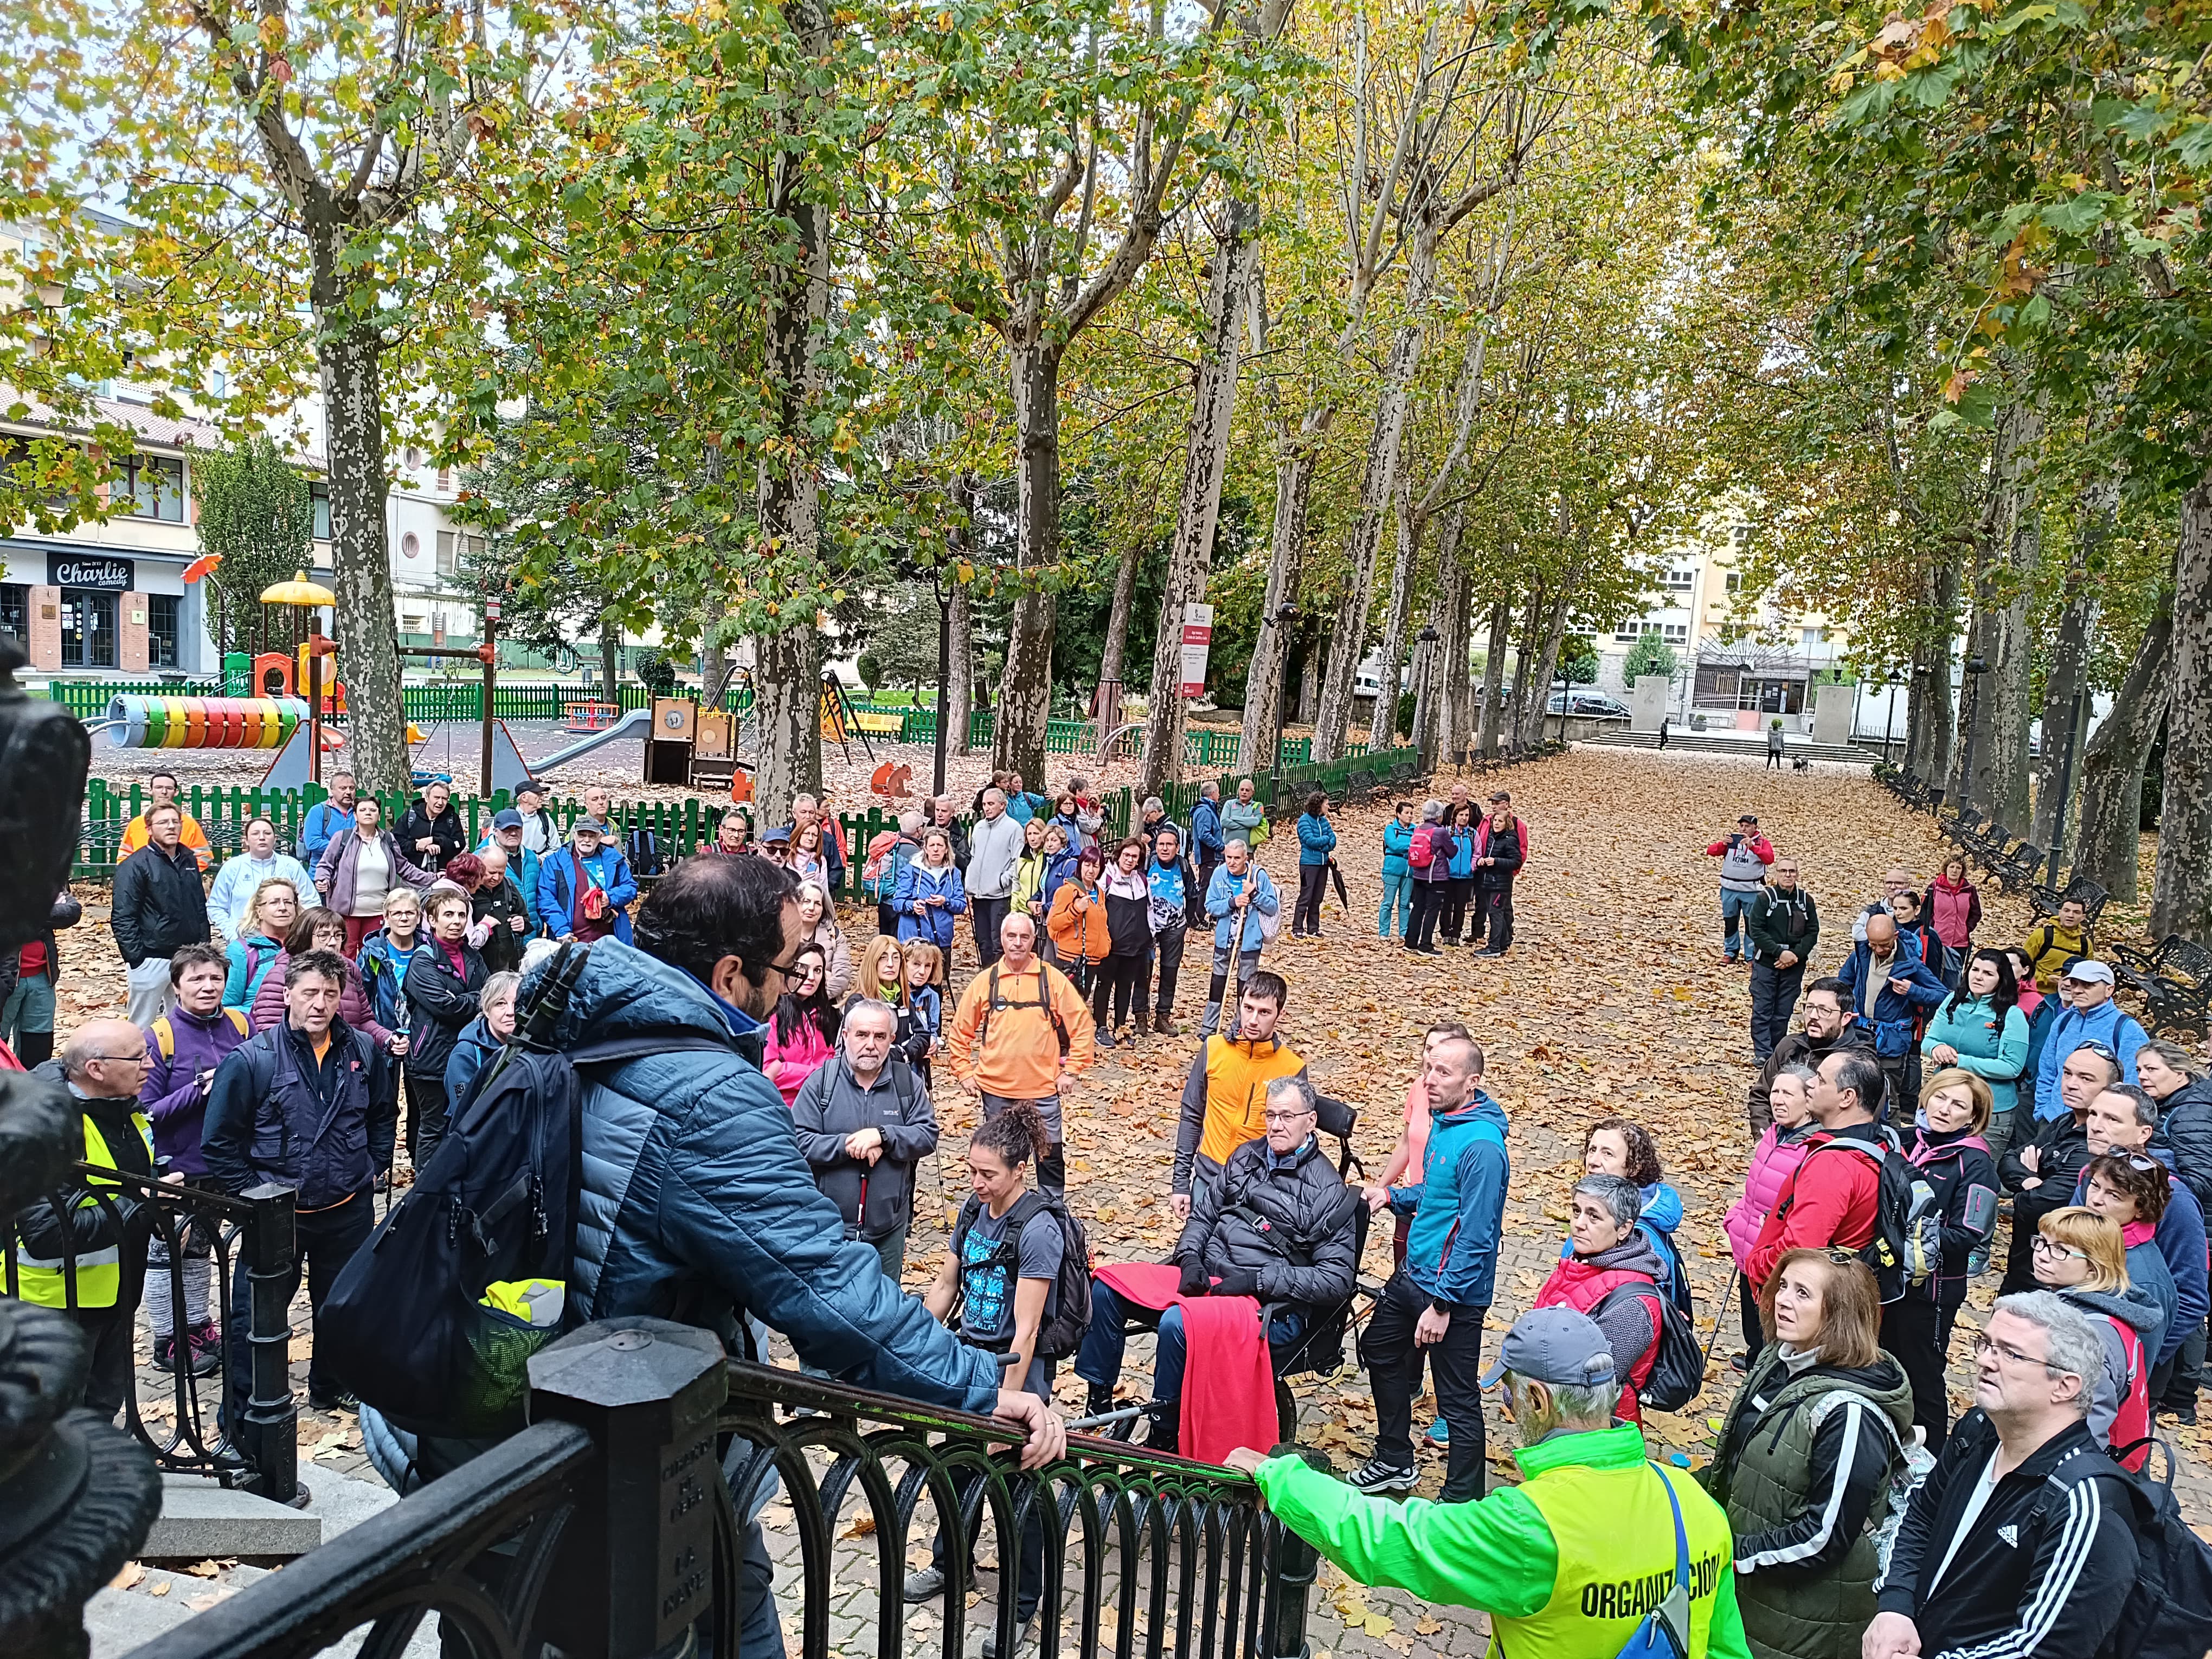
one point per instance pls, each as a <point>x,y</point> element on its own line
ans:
<point>354,1007</point>
<point>1771,1165</point>
<point>797,1060</point>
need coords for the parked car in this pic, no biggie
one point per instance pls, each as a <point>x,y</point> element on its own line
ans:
<point>1588,705</point>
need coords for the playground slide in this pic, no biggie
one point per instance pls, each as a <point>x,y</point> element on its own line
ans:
<point>636,724</point>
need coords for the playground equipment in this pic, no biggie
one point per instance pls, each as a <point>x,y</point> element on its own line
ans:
<point>150,722</point>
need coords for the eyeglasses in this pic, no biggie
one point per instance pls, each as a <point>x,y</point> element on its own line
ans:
<point>1286,1117</point>
<point>2094,1046</point>
<point>136,1055</point>
<point>1984,1343</point>
<point>2043,1246</point>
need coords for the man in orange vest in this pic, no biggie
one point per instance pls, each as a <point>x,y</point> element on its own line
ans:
<point>163,789</point>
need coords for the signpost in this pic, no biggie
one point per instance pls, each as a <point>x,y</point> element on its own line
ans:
<point>1197,638</point>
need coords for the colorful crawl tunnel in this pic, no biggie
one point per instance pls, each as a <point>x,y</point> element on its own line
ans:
<point>141,722</point>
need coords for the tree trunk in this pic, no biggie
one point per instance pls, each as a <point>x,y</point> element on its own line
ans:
<point>1515,721</point>
<point>960,691</point>
<point>1453,687</point>
<point>1382,727</point>
<point>2108,845</point>
<point>2181,889</point>
<point>1493,675</point>
<point>1998,708</point>
<point>610,658</point>
<point>1348,642</point>
<point>1309,683</point>
<point>1117,626</point>
<point>1537,702</point>
<point>1206,462</point>
<point>2069,656</point>
<point>1264,685</point>
<point>787,495</point>
<point>1929,723</point>
<point>1025,682</point>
<point>347,356</point>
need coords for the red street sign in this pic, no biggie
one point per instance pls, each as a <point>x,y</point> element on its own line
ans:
<point>491,609</point>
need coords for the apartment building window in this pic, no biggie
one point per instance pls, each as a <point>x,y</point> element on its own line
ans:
<point>1735,582</point>
<point>161,628</point>
<point>15,611</point>
<point>1812,638</point>
<point>1673,633</point>
<point>455,545</point>
<point>88,639</point>
<point>1680,578</point>
<point>318,501</point>
<point>151,486</point>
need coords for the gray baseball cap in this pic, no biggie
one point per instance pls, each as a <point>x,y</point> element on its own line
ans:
<point>2089,971</point>
<point>1557,1346</point>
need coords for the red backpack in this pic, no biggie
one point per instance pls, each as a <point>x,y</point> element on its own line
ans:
<point>1421,851</point>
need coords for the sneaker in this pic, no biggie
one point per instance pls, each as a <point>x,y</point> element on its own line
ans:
<point>164,1352</point>
<point>1439,1435</point>
<point>923,1585</point>
<point>207,1350</point>
<point>1024,1637</point>
<point>1377,1475</point>
<point>332,1402</point>
<point>1102,1038</point>
<point>2183,1416</point>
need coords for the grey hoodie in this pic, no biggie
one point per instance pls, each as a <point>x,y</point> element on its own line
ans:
<point>2139,1310</point>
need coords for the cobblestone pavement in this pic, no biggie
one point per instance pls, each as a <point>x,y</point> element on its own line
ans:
<point>1611,1001</point>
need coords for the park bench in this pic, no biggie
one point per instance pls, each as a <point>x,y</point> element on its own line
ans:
<point>2176,997</point>
<point>1363,782</point>
<point>2136,967</point>
<point>2045,898</point>
<point>2017,868</point>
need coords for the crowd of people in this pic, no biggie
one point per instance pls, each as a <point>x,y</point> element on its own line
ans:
<point>310,1004</point>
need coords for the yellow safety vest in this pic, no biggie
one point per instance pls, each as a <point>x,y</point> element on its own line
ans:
<point>45,1280</point>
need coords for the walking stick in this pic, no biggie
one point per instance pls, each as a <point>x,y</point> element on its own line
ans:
<point>1718,1311</point>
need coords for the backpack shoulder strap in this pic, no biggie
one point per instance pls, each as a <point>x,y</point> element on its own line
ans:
<point>165,1035</point>
<point>238,1022</point>
<point>617,1049</point>
<point>1681,1536</point>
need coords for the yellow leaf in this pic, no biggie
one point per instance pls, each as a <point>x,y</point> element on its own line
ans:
<point>132,1573</point>
<point>1378,1625</point>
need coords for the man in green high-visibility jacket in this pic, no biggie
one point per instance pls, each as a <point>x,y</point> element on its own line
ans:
<point>1571,1562</point>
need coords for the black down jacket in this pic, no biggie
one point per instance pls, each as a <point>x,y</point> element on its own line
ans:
<point>1292,1225</point>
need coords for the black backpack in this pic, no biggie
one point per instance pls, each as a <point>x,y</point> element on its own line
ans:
<point>993,1002</point>
<point>435,1320</point>
<point>2168,1611</point>
<point>1677,1369</point>
<point>1069,1310</point>
<point>643,852</point>
<point>1907,1244</point>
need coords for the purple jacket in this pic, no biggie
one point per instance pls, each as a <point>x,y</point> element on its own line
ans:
<point>172,1097</point>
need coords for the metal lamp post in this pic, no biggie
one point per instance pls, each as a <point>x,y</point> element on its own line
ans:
<point>1975,667</point>
<point>1890,681</point>
<point>1287,621</point>
<point>1425,674</point>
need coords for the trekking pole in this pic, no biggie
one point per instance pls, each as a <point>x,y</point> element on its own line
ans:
<point>1718,1311</point>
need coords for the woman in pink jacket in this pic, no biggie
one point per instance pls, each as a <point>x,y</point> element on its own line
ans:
<point>318,929</point>
<point>802,1033</point>
<point>1779,1152</point>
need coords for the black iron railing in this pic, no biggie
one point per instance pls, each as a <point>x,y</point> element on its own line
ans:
<point>261,1453</point>
<point>621,1524</point>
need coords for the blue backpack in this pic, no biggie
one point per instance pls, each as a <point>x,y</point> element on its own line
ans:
<point>434,1321</point>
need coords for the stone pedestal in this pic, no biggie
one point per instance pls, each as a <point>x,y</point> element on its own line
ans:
<point>1831,713</point>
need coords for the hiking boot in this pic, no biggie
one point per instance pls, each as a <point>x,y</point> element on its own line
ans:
<point>1378,1475</point>
<point>164,1352</point>
<point>1165,1026</point>
<point>1163,1430</point>
<point>1097,1399</point>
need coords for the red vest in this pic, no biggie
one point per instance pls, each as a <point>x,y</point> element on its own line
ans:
<point>1575,1283</point>
<point>2131,1422</point>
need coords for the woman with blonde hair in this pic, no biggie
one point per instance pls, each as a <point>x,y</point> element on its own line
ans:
<point>877,971</point>
<point>2081,1255</point>
<point>262,933</point>
<point>1948,1151</point>
<point>1805,1456</point>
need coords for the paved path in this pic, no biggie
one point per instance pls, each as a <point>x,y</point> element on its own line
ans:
<point>1612,1001</point>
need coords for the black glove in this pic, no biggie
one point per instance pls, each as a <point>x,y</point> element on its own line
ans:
<point>1236,1281</point>
<point>1194,1277</point>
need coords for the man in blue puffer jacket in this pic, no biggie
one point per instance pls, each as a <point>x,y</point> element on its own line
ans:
<point>1893,991</point>
<point>1434,1306</point>
<point>697,1204</point>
